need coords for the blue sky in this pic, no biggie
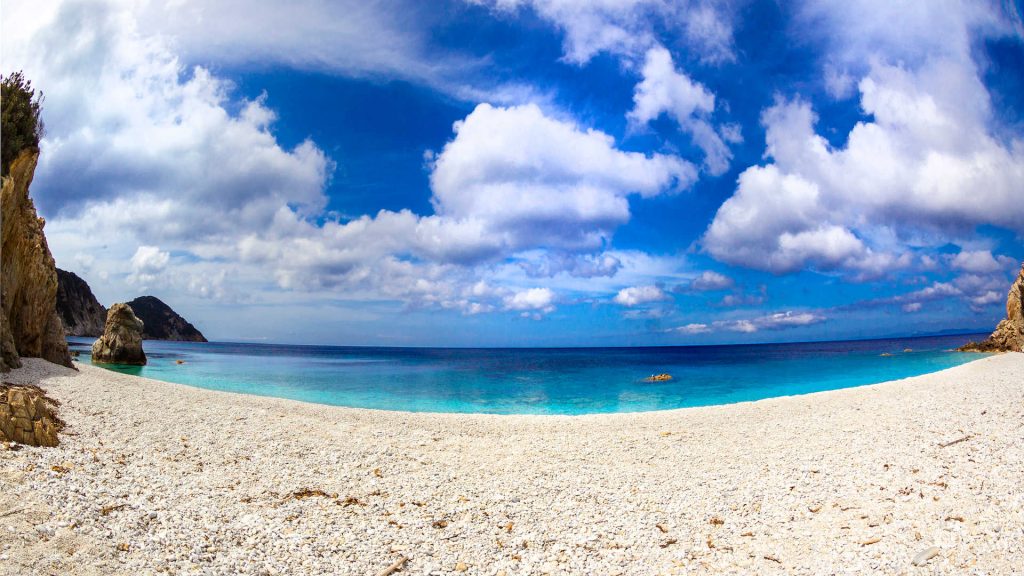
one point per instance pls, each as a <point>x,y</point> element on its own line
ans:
<point>534,172</point>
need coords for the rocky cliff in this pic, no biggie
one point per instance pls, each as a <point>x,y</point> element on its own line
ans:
<point>1009,334</point>
<point>81,313</point>
<point>29,325</point>
<point>121,342</point>
<point>162,323</point>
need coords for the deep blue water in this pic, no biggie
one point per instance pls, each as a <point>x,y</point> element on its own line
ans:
<point>540,380</point>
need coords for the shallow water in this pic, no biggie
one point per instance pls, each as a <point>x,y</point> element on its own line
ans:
<point>540,380</point>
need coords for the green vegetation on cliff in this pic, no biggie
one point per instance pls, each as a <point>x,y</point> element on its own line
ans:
<point>21,126</point>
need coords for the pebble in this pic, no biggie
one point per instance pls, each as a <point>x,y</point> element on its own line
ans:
<point>925,555</point>
<point>521,494</point>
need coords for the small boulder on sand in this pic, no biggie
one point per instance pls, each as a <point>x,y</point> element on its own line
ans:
<point>27,416</point>
<point>121,342</point>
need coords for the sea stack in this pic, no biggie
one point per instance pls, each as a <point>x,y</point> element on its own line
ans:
<point>29,325</point>
<point>121,342</point>
<point>1009,334</point>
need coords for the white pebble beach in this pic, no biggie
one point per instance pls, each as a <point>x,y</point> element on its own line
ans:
<point>153,477</point>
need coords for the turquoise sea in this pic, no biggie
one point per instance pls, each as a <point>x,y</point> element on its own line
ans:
<point>540,380</point>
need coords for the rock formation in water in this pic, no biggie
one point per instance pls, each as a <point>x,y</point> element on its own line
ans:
<point>29,325</point>
<point>81,313</point>
<point>27,416</point>
<point>121,342</point>
<point>1009,334</point>
<point>162,323</point>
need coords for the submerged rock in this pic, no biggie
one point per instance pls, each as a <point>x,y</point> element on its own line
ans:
<point>121,342</point>
<point>28,416</point>
<point>1009,334</point>
<point>29,325</point>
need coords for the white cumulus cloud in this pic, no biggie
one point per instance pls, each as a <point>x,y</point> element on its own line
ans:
<point>665,90</point>
<point>537,181</point>
<point>533,299</point>
<point>925,165</point>
<point>637,295</point>
<point>154,138</point>
<point>981,262</point>
<point>919,166</point>
<point>512,182</point>
<point>150,260</point>
<point>147,264</point>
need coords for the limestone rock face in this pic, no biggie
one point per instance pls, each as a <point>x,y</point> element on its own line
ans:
<point>78,308</point>
<point>121,342</point>
<point>8,352</point>
<point>1009,334</point>
<point>29,325</point>
<point>163,323</point>
<point>27,416</point>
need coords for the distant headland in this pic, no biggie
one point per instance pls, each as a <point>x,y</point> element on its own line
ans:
<point>83,315</point>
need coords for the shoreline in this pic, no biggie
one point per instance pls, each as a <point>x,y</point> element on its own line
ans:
<point>90,367</point>
<point>616,388</point>
<point>157,476</point>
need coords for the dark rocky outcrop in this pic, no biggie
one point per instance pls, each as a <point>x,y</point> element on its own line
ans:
<point>83,315</point>
<point>27,416</point>
<point>162,323</point>
<point>78,308</point>
<point>1009,334</point>
<point>121,342</point>
<point>29,325</point>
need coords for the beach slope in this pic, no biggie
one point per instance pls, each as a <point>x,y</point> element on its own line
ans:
<point>157,477</point>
